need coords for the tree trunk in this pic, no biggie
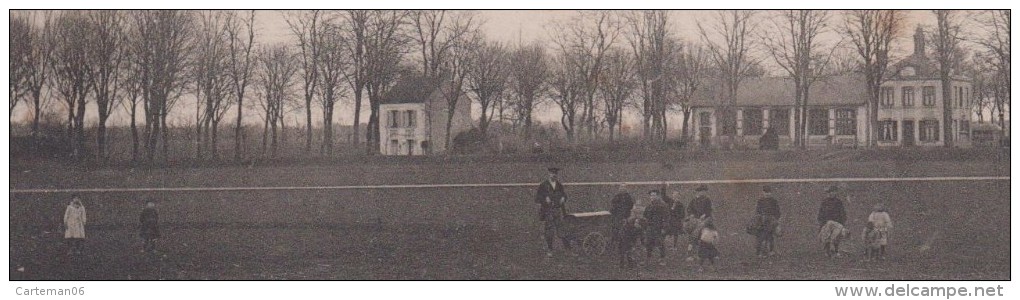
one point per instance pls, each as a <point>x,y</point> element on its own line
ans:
<point>357,119</point>
<point>237,128</point>
<point>308,119</point>
<point>134,135</point>
<point>947,108</point>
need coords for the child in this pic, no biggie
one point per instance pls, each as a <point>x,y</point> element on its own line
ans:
<point>630,233</point>
<point>706,245</point>
<point>871,244</point>
<point>883,223</point>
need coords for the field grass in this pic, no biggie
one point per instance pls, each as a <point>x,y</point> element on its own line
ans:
<point>943,230</point>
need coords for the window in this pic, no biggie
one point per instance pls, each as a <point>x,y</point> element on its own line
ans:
<point>394,119</point>
<point>779,120</point>
<point>818,121</point>
<point>753,121</point>
<point>706,119</point>
<point>928,95</point>
<point>411,116</point>
<point>965,127</point>
<point>888,94</point>
<point>929,130</point>
<point>727,122</point>
<point>959,96</point>
<point>908,96</point>
<point>410,147</point>
<point>846,121</point>
<point>887,131</point>
<point>394,147</point>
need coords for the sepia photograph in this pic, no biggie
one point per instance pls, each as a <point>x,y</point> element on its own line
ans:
<point>510,145</point>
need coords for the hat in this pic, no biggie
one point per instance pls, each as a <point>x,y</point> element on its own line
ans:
<point>831,189</point>
<point>701,188</point>
<point>554,170</point>
<point>767,189</point>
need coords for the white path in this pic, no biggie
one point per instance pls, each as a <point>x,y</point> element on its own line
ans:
<point>484,185</point>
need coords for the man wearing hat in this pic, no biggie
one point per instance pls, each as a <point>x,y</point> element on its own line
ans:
<point>832,221</point>
<point>552,198</point>
<point>619,209</point>
<point>765,223</point>
<point>701,206</point>
<point>655,216</point>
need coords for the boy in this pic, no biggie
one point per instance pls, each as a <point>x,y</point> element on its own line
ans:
<point>882,223</point>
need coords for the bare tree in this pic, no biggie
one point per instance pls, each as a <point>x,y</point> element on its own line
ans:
<point>385,47</point>
<point>356,41</point>
<point>39,69</point>
<point>276,77</point>
<point>213,83</point>
<point>131,97</point>
<point>332,61</point>
<point>306,26</point>
<point>161,44</point>
<point>872,33</point>
<point>529,71</point>
<point>107,55</point>
<point>688,72</point>
<point>586,39</point>
<point>946,39</point>
<point>792,40</point>
<point>241,41</point>
<point>487,78</point>
<point>568,88</point>
<point>73,73</point>
<point>442,38</point>
<point>996,38</point>
<point>648,35</point>
<point>616,89</point>
<point>729,41</point>
<point>20,51</point>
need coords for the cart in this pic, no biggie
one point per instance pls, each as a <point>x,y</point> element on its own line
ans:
<point>591,229</point>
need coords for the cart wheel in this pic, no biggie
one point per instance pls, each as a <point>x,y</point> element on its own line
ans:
<point>594,244</point>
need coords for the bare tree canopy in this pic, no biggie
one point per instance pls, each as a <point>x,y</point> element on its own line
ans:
<point>487,79</point>
<point>529,72</point>
<point>872,33</point>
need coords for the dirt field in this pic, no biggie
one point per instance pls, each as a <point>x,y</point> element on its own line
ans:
<point>943,230</point>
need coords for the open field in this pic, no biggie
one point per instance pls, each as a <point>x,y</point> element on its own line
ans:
<point>943,229</point>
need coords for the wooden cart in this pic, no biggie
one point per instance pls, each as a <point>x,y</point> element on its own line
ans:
<point>591,230</point>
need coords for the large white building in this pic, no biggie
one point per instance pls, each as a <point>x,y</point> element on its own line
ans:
<point>413,115</point>
<point>909,113</point>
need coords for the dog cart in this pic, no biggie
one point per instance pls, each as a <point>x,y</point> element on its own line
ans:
<point>591,230</point>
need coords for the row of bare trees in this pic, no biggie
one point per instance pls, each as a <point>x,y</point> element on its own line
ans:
<point>596,66</point>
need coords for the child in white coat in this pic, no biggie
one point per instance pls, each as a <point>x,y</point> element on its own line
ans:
<point>883,223</point>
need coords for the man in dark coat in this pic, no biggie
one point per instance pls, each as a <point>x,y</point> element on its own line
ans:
<point>832,209</point>
<point>619,209</point>
<point>552,197</point>
<point>766,222</point>
<point>701,205</point>
<point>148,229</point>
<point>655,216</point>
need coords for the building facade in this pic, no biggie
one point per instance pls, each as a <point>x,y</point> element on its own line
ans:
<point>909,113</point>
<point>412,119</point>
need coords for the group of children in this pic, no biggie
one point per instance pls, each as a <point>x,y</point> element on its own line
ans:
<point>649,222</point>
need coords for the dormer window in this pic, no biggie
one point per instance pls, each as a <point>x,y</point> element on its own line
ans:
<point>907,72</point>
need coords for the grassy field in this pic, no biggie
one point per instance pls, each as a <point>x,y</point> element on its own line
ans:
<point>943,230</point>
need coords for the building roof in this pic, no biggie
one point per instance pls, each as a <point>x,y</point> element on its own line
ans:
<point>409,89</point>
<point>776,91</point>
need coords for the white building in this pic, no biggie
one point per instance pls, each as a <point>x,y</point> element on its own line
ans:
<point>412,119</point>
<point>909,112</point>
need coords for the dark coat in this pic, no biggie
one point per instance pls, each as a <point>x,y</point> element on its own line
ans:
<point>700,206</point>
<point>557,196</point>
<point>621,205</point>
<point>768,206</point>
<point>149,224</point>
<point>657,213</point>
<point>832,210</point>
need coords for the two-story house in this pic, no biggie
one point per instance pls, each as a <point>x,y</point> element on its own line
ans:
<point>909,111</point>
<point>413,115</point>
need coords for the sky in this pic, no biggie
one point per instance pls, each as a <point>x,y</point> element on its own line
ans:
<point>510,26</point>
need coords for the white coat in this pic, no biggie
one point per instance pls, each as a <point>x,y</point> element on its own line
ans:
<point>74,222</point>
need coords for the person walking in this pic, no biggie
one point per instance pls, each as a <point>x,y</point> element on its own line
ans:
<point>552,197</point>
<point>74,226</point>
<point>148,228</point>
<point>766,223</point>
<point>832,222</point>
